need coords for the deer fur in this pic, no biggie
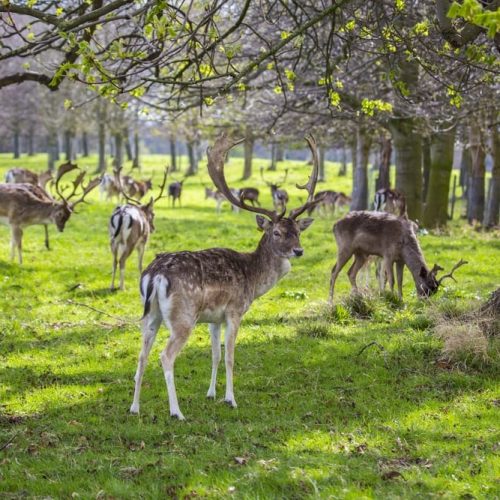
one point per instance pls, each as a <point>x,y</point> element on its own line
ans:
<point>129,229</point>
<point>392,238</point>
<point>215,286</point>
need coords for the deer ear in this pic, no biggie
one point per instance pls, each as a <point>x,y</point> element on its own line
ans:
<point>304,223</point>
<point>263,223</point>
<point>423,272</point>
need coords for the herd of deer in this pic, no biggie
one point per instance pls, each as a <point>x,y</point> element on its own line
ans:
<point>218,285</point>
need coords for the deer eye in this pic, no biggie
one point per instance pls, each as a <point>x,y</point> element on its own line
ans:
<point>276,233</point>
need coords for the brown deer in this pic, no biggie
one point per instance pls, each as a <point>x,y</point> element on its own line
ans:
<point>280,196</point>
<point>24,205</point>
<point>391,201</point>
<point>393,238</point>
<point>23,175</point>
<point>218,285</point>
<point>129,228</point>
<point>175,191</point>
<point>250,194</point>
<point>136,189</point>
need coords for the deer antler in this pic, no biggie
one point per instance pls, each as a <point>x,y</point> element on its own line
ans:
<point>460,263</point>
<point>86,190</point>
<point>310,186</point>
<point>162,187</point>
<point>118,179</point>
<point>61,171</point>
<point>216,156</point>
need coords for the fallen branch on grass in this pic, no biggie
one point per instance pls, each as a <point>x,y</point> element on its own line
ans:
<point>380,347</point>
<point>8,442</point>
<point>92,308</point>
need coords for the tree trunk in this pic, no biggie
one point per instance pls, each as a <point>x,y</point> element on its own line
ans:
<point>17,144</point>
<point>128,146</point>
<point>57,149</point>
<point>248,149</point>
<point>321,169</point>
<point>118,160</point>
<point>426,165</point>
<point>436,206</point>
<point>360,170</point>
<point>408,147</point>
<point>475,196</point>
<point>272,167</point>
<point>135,163</point>
<point>85,145</point>
<point>31,141</point>
<point>280,152</point>
<point>343,163</point>
<point>193,160</point>
<point>51,151</point>
<point>384,167</point>
<point>101,167</point>
<point>68,145</point>
<point>173,153</point>
<point>493,206</point>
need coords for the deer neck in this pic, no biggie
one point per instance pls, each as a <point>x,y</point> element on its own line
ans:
<point>414,259</point>
<point>265,267</point>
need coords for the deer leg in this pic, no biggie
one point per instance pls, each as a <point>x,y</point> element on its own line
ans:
<point>178,337</point>
<point>215,337</point>
<point>359,261</point>
<point>381,276</point>
<point>47,245</point>
<point>16,242</point>
<point>150,325</point>
<point>232,326</point>
<point>399,274</point>
<point>123,260</point>
<point>140,254</point>
<point>115,262</point>
<point>341,262</point>
<point>387,264</point>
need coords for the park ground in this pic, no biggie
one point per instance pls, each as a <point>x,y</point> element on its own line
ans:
<point>354,401</point>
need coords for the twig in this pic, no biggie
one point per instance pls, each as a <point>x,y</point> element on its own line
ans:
<point>8,442</point>
<point>380,347</point>
<point>81,304</point>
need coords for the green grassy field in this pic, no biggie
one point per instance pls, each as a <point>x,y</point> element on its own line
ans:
<point>316,417</point>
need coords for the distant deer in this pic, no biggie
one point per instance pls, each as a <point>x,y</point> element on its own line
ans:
<point>136,189</point>
<point>330,201</point>
<point>23,175</point>
<point>220,198</point>
<point>280,196</point>
<point>175,191</point>
<point>216,286</point>
<point>391,201</point>
<point>108,187</point>
<point>394,239</point>
<point>129,228</point>
<point>24,205</point>
<point>250,194</point>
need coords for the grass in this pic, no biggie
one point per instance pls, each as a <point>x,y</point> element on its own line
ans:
<point>330,405</point>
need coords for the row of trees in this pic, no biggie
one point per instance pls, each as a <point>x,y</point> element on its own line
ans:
<point>353,72</point>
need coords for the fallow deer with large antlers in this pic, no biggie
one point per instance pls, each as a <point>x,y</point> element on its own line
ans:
<point>129,228</point>
<point>23,205</point>
<point>394,239</point>
<point>216,286</point>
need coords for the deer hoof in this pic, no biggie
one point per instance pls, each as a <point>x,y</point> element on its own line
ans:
<point>210,395</point>
<point>134,409</point>
<point>231,403</point>
<point>178,416</point>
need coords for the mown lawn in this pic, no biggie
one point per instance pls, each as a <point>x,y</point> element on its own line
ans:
<point>316,417</point>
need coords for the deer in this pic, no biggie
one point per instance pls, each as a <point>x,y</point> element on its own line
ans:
<point>250,194</point>
<point>175,191</point>
<point>364,233</point>
<point>23,205</point>
<point>108,187</point>
<point>216,286</point>
<point>23,175</point>
<point>280,196</point>
<point>220,198</point>
<point>136,189</point>
<point>130,226</point>
<point>391,201</point>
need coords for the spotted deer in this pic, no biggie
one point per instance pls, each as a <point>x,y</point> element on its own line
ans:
<point>392,238</point>
<point>216,286</point>
<point>280,196</point>
<point>391,201</point>
<point>23,205</point>
<point>220,198</point>
<point>129,228</point>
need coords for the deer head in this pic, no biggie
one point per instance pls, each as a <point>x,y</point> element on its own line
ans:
<point>429,284</point>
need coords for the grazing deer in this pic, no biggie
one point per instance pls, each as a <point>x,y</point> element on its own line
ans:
<point>391,201</point>
<point>136,189</point>
<point>220,198</point>
<point>394,239</point>
<point>129,227</point>
<point>24,205</point>
<point>250,194</point>
<point>331,200</point>
<point>175,191</point>
<point>23,175</point>
<point>216,286</point>
<point>108,187</point>
<point>280,196</point>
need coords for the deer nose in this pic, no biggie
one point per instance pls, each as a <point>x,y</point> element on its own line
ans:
<point>298,251</point>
